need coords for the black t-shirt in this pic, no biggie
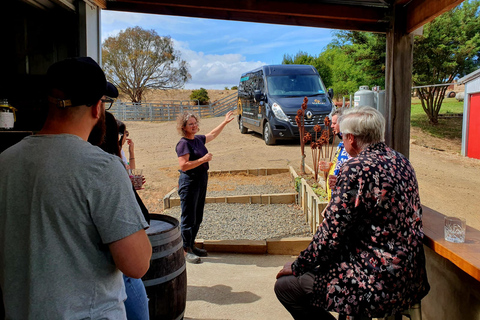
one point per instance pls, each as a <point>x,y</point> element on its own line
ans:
<point>196,148</point>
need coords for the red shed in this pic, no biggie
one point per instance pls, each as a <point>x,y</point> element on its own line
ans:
<point>471,115</point>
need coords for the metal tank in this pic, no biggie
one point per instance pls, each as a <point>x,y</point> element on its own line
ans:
<point>364,97</point>
<point>379,99</point>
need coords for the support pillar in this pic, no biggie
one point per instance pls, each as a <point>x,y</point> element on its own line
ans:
<point>89,30</point>
<point>398,83</point>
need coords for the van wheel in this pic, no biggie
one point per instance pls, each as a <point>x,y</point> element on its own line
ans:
<point>268,134</point>
<point>243,130</point>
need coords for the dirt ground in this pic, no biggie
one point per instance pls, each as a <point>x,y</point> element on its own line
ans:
<point>449,183</point>
<point>179,94</point>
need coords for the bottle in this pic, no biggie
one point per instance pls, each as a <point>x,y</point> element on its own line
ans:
<point>7,115</point>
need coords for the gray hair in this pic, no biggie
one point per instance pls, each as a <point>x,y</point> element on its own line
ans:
<point>365,123</point>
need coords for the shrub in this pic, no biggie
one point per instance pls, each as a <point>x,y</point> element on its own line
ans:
<point>234,88</point>
<point>200,95</point>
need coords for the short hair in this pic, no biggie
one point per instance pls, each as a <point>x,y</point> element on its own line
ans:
<point>337,112</point>
<point>365,123</point>
<point>182,119</point>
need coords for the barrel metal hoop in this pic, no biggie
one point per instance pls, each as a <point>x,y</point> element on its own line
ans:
<point>180,317</point>
<point>165,253</point>
<point>164,239</point>
<point>164,234</point>
<point>168,277</point>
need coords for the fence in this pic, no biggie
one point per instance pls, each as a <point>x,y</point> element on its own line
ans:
<point>169,109</point>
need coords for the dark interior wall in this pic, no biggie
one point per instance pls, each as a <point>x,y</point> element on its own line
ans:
<point>32,39</point>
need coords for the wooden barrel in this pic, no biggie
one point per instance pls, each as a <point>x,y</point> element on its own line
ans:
<point>166,280</point>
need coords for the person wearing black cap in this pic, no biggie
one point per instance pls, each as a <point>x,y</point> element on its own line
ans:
<point>69,221</point>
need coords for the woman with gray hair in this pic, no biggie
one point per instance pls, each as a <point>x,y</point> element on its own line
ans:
<point>366,258</point>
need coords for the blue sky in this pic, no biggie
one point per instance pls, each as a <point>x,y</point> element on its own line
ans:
<point>218,51</point>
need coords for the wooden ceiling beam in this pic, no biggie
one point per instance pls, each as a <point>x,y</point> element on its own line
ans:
<point>269,7</point>
<point>305,21</point>
<point>420,12</point>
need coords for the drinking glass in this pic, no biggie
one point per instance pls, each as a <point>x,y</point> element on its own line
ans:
<point>455,229</point>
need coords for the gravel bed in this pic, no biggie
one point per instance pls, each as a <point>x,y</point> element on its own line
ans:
<point>231,221</point>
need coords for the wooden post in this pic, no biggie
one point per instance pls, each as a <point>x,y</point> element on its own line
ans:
<point>398,83</point>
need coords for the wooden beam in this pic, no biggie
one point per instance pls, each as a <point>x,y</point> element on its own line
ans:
<point>102,4</point>
<point>252,16</point>
<point>270,7</point>
<point>420,12</point>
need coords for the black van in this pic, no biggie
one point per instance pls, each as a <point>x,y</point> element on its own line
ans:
<point>269,97</point>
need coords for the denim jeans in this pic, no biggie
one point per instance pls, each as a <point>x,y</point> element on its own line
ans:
<point>192,189</point>
<point>136,304</point>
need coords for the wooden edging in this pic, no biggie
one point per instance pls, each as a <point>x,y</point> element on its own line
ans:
<point>283,246</point>
<point>278,198</point>
<point>255,172</point>
<point>311,204</point>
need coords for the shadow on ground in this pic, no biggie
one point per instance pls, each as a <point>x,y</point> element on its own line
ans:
<point>220,294</point>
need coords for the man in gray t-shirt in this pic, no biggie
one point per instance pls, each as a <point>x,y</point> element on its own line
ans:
<point>69,221</point>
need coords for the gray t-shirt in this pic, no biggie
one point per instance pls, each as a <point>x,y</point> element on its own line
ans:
<point>62,201</point>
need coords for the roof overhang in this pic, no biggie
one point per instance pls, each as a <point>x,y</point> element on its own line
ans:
<point>358,15</point>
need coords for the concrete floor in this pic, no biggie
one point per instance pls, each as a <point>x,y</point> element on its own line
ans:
<point>234,286</point>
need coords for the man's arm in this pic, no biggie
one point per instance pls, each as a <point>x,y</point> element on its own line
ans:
<point>132,254</point>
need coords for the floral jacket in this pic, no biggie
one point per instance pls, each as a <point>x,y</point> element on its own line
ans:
<point>367,255</point>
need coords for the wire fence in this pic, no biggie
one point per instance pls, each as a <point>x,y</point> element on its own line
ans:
<point>169,109</point>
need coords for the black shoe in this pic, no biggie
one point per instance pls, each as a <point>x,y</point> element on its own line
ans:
<point>199,252</point>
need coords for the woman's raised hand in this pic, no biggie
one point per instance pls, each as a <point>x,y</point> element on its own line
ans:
<point>229,116</point>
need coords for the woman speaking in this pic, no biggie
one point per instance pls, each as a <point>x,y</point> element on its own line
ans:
<point>193,158</point>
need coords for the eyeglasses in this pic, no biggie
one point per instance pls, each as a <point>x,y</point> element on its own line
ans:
<point>126,134</point>
<point>108,101</point>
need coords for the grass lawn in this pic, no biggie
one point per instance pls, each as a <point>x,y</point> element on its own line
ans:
<point>450,128</point>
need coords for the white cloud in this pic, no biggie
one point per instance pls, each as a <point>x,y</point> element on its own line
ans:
<point>214,71</point>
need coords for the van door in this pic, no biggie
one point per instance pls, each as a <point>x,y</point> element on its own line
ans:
<point>258,108</point>
<point>246,101</point>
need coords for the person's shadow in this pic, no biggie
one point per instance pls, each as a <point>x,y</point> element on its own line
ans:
<point>220,294</point>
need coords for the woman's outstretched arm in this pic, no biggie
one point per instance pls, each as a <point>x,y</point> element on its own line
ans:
<point>215,132</point>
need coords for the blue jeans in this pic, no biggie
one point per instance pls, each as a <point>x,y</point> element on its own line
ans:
<point>192,189</point>
<point>136,304</point>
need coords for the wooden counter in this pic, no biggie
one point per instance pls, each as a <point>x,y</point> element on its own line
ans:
<point>466,255</point>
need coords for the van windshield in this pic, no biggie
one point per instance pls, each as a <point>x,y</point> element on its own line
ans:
<point>295,85</point>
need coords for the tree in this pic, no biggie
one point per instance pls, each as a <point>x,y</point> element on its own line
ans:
<point>367,51</point>
<point>234,88</point>
<point>201,95</point>
<point>137,60</point>
<point>449,48</point>
<point>345,74</point>
<point>304,58</point>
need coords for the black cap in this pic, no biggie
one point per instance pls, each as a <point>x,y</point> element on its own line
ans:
<point>112,91</point>
<point>80,80</point>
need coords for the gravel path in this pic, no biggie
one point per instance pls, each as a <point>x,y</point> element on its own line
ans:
<point>229,221</point>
